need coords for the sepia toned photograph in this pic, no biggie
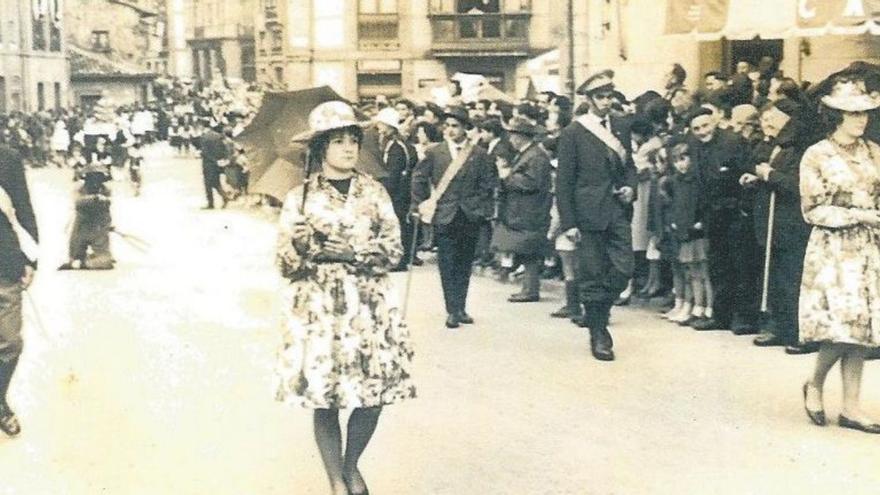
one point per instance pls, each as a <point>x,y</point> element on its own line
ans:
<point>439,247</point>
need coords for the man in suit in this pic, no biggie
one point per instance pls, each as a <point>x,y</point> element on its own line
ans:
<point>721,159</point>
<point>213,151</point>
<point>16,272</point>
<point>398,158</point>
<point>462,209</point>
<point>595,187</point>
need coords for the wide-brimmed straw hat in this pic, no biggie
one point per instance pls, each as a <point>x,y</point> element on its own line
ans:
<point>600,80</point>
<point>328,116</point>
<point>850,95</point>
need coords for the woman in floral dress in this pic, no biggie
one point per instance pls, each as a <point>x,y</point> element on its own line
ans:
<point>345,344</point>
<point>840,288</point>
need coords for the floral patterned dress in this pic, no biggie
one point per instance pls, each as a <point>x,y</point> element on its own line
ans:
<point>840,288</point>
<point>344,342</point>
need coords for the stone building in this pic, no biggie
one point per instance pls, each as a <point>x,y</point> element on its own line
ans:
<point>366,47</point>
<point>219,35</point>
<point>124,31</point>
<point>33,67</point>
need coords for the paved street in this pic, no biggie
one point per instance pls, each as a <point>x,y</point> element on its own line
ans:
<point>155,378</point>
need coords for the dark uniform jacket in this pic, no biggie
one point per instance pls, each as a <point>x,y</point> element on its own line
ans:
<point>526,196</point>
<point>470,191</point>
<point>399,158</point>
<point>213,149</point>
<point>12,180</point>
<point>587,175</point>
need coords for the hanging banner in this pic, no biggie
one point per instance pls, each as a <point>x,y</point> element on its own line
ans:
<point>696,16</point>
<point>818,17</point>
<point>746,19</point>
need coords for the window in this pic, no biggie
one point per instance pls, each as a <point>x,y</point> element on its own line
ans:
<point>298,25</point>
<point>277,41</point>
<point>2,94</point>
<point>279,75</point>
<point>39,33</point>
<point>101,41</point>
<point>378,24</point>
<point>41,96</point>
<point>248,63</point>
<point>378,84</point>
<point>57,87</point>
<point>329,24</point>
<point>54,38</point>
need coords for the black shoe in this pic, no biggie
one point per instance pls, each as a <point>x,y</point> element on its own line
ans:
<point>565,312</point>
<point>465,318</point>
<point>744,329</point>
<point>8,421</point>
<point>817,417</point>
<point>66,266</point>
<point>417,261</point>
<point>208,207</point>
<point>798,349</point>
<point>706,324</point>
<point>452,321</point>
<point>845,422</point>
<point>769,340</point>
<point>601,345</point>
<point>522,298</point>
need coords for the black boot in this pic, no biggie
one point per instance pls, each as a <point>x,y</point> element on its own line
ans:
<point>8,420</point>
<point>572,308</point>
<point>601,343</point>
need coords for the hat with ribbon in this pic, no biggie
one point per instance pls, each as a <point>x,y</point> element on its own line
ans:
<point>599,80</point>
<point>328,116</point>
<point>850,95</point>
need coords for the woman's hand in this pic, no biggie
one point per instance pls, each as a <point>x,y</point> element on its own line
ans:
<point>300,234</point>
<point>338,248</point>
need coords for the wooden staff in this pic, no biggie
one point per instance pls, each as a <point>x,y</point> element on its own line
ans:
<point>412,255</point>
<point>765,291</point>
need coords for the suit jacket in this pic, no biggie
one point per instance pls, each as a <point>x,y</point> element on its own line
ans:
<point>213,148</point>
<point>587,174</point>
<point>470,191</point>
<point>525,195</point>
<point>12,180</point>
<point>720,163</point>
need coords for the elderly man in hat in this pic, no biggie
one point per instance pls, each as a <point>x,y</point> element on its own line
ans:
<point>595,188</point>
<point>18,235</point>
<point>525,199</point>
<point>452,189</point>
<point>398,159</point>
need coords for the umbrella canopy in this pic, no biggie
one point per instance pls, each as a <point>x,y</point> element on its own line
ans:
<point>276,163</point>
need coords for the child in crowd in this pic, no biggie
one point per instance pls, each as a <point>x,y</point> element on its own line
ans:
<point>90,238</point>
<point>688,231</point>
<point>77,161</point>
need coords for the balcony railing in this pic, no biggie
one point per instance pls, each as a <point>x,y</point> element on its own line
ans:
<point>480,31</point>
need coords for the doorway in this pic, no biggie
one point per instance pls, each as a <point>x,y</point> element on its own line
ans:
<point>751,51</point>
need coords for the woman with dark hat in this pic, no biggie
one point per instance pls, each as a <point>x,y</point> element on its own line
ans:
<point>840,288</point>
<point>345,343</point>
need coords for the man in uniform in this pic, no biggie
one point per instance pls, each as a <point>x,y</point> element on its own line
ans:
<point>461,208</point>
<point>16,271</point>
<point>595,187</point>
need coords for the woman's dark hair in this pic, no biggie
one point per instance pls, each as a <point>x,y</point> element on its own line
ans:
<point>830,118</point>
<point>679,73</point>
<point>318,144</point>
<point>431,131</point>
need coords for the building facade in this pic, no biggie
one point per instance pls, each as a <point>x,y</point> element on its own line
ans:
<point>395,47</point>
<point>219,38</point>
<point>33,65</point>
<point>130,32</point>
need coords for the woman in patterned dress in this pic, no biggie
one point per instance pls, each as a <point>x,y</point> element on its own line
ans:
<point>345,344</point>
<point>840,288</point>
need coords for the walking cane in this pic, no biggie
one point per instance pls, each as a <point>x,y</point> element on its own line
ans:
<point>412,255</point>
<point>770,220</point>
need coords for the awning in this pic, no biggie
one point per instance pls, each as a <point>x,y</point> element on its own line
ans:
<point>770,19</point>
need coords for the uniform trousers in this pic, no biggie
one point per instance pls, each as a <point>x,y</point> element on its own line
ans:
<point>211,178</point>
<point>734,268</point>
<point>605,267</point>
<point>10,321</point>
<point>456,249</point>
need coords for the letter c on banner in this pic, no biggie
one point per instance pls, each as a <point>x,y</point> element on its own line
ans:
<point>805,11</point>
